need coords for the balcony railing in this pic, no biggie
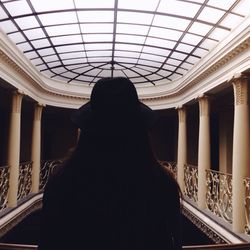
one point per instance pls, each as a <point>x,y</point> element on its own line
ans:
<point>191,182</point>
<point>47,168</point>
<point>219,194</point>
<point>4,186</point>
<point>247,204</point>
<point>24,180</point>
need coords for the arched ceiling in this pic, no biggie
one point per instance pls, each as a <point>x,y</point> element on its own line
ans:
<point>150,41</point>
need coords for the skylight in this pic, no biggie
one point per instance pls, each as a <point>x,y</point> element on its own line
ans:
<point>148,41</point>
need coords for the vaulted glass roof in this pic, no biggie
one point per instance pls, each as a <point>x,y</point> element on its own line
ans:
<point>149,41</point>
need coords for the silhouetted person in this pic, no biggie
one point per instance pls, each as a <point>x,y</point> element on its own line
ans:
<point>111,193</point>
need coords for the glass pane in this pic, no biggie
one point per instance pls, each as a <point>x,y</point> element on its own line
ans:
<point>8,26</point>
<point>48,73</point>
<point>200,28</point>
<point>99,53</point>
<point>179,8</point>
<point>103,46</point>
<point>127,54</point>
<point>242,7</point>
<point>132,29</point>
<point>24,46</point>
<point>97,38</point>
<point>222,4</point>
<point>211,15</point>
<point>118,73</point>
<point>152,57</point>
<point>231,21</point>
<point>162,52</point>
<point>96,16</point>
<point>149,63</point>
<point>75,61</point>
<point>17,37</point>
<point>50,58</point>
<point>137,4</point>
<point>191,39</point>
<point>66,39</point>
<point>165,33</point>
<point>100,59</point>
<point>3,15</point>
<point>70,48</point>
<point>27,22</point>
<point>173,62</point>
<point>58,18</point>
<point>170,22</point>
<point>208,43</point>
<point>72,55</point>
<point>219,34</point>
<point>41,43</point>
<point>18,8</point>
<point>31,54</point>
<point>45,52</point>
<point>37,61</point>
<point>160,42</point>
<point>97,28</point>
<point>59,70</point>
<point>126,60</point>
<point>200,52</point>
<point>63,30</point>
<point>129,38</point>
<point>47,5</point>
<point>130,47</point>
<point>178,56</point>
<point>185,48</point>
<point>132,17</point>
<point>34,33</point>
<point>69,74</point>
<point>94,4</point>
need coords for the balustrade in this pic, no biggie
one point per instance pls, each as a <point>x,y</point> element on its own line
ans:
<point>219,194</point>
<point>47,168</point>
<point>247,204</point>
<point>191,182</point>
<point>4,186</point>
<point>24,180</point>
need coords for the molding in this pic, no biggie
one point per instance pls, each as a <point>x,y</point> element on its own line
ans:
<point>13,216</point>
<point>216,232</point>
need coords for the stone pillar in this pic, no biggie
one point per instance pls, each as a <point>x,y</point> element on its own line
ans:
<point>14,148</point>
<point>36,148</point>
<point>204,158</point>
<point>182,146</point>
<point>240,151</point>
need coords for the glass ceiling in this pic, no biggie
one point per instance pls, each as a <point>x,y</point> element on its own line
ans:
<point>149,41</point>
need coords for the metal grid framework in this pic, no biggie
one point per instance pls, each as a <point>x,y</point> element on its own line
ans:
<point>148,41</point>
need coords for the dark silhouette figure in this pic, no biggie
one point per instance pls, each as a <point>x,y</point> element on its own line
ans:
<point>111,193</point>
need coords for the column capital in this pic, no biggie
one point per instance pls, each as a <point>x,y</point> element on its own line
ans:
<point>17,97</point>
<point>182,114</point>
<point>240,85</point>
<point>38,108</point>
<point>204,105</point>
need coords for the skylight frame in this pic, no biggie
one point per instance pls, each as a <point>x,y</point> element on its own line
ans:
<point>23,32</point>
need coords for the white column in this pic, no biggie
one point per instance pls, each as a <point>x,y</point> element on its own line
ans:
<point>182,147</point>
<point>36,148</point>
<point>204,158</point>
<point>14,148</point>
<point>240,151</point>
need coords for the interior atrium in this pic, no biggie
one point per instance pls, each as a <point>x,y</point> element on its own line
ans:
<point>189,61</point>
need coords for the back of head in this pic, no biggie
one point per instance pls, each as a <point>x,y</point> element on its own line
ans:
<point>114,108</point>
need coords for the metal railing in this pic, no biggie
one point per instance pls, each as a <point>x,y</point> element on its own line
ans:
<point>4,186</point>
<point>191,182</point>
<point>47,168</point>
<point>219,194</point>
<point>24,180</point>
